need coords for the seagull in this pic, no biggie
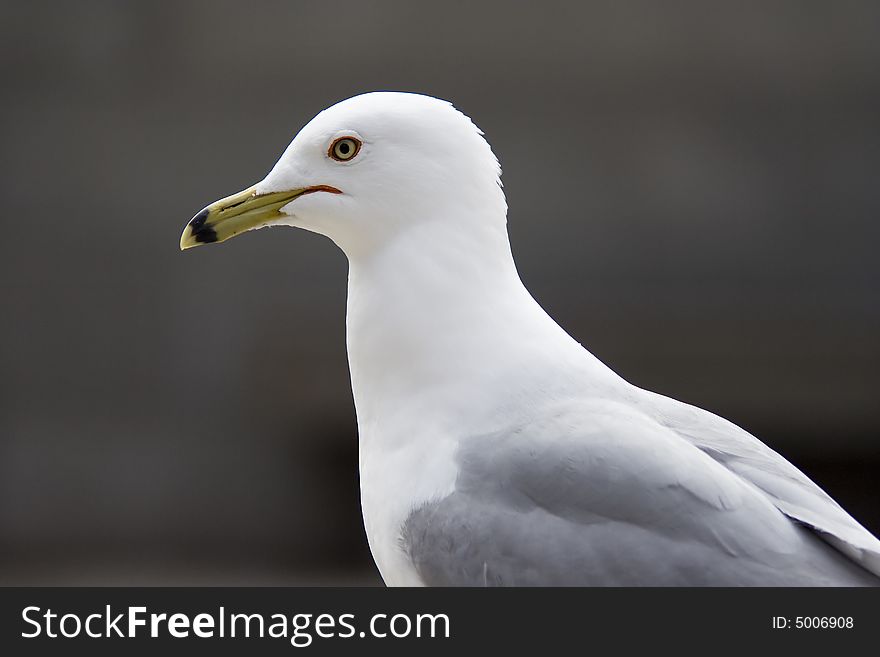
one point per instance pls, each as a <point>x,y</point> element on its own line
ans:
<point>494,449</point>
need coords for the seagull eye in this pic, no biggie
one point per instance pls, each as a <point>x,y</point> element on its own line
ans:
<point>344,148</point>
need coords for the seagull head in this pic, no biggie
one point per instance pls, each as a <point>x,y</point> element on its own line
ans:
<point>367,170</point>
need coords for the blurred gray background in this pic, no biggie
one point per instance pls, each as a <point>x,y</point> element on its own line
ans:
<point>693,194</point>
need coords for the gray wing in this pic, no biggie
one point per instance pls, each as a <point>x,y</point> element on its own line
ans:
<point>599,494</point>
<point>789,489</point>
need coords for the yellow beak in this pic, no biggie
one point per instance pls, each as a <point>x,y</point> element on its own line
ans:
<point>235,214</point>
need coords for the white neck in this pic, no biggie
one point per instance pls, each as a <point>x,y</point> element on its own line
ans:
<point>435,316</point>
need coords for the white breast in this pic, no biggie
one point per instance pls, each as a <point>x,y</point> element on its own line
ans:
<point>401,472</point>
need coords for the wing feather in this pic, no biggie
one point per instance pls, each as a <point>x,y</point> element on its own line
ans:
<point>789,489</point>
<point>599,493</point>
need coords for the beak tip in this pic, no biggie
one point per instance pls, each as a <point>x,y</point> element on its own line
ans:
<point>197,232</point>
<point>186,239</point>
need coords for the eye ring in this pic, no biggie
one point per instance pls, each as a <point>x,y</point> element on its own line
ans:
<point>344,149</point>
